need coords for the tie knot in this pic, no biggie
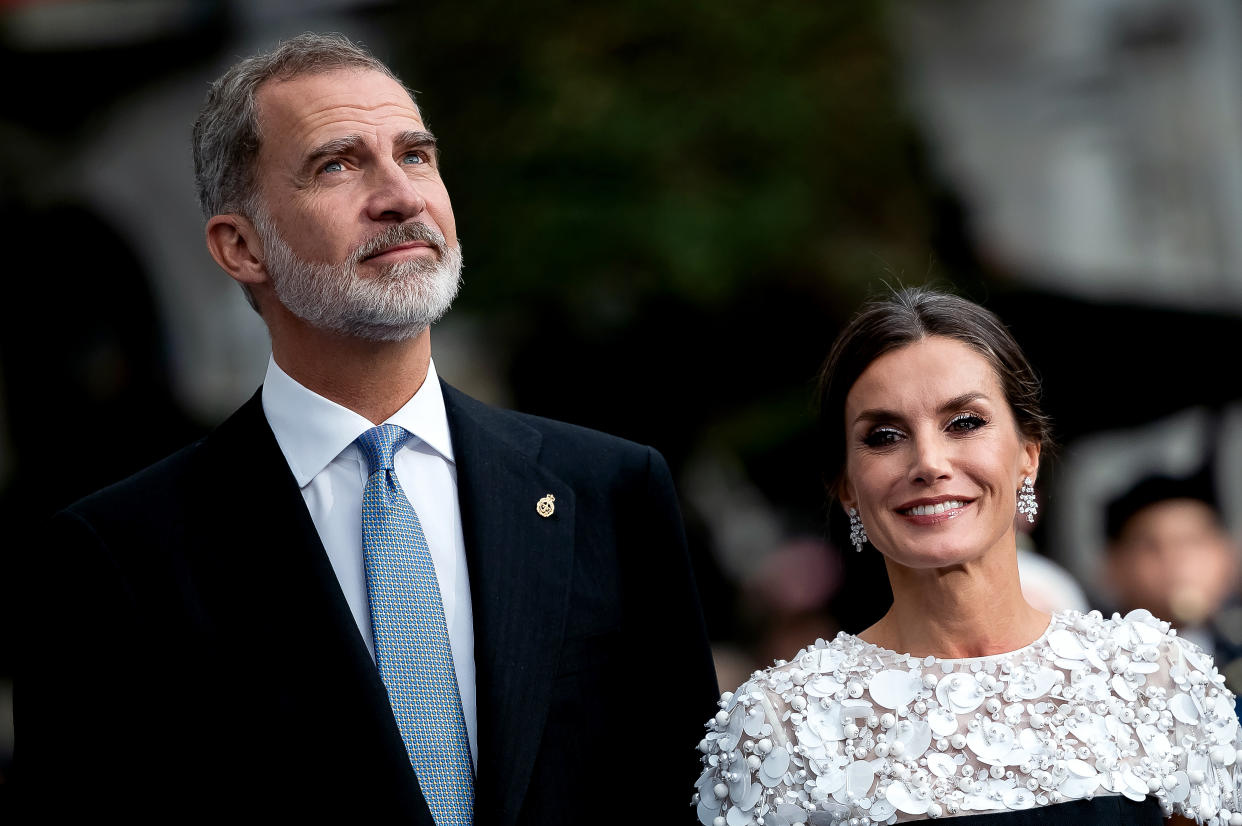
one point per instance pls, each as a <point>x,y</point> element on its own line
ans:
<point>380,443</point>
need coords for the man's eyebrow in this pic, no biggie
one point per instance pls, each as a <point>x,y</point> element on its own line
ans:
<point>880,414</point>
<point>353,144</point>
<point>418,139</point>
<point>336,146</point>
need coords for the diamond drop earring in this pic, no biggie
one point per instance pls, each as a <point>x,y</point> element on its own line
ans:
<point>1026,499</point>
<point>858,534</point>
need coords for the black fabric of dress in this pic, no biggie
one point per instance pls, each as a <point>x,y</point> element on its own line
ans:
<point>1098,811</point>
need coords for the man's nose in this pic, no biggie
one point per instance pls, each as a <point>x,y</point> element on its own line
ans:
<point>395,196</point>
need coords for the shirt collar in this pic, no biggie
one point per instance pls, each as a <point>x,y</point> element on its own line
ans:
<point>312,430</point>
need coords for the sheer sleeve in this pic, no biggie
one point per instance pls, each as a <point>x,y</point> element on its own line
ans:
<point>1188,728</point>
<point>750,762</point>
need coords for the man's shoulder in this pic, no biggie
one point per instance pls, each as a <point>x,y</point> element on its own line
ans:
<point>179,477</point>
<point>561,433</point>
<point>148,488</point>
<point>551,437</point>
<point>587,459</point>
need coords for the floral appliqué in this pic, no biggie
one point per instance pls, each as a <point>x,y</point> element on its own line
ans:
<point>850,733</point>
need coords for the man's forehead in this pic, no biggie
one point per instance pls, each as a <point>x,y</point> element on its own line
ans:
<point>306,106</point>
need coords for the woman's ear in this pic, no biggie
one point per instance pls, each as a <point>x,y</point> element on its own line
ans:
<point>845,493</point>
<point>1030,459</point>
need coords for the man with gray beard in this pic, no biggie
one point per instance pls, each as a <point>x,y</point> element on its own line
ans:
<point>405,297</point>
<point>366,596</point>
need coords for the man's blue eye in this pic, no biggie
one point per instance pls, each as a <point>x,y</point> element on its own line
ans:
<point>414,158</point>
<point>333,166</point>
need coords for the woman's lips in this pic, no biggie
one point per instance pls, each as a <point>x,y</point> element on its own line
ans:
<point>931,513</point>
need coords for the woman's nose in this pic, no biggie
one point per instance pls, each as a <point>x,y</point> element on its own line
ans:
<point>930,461</point>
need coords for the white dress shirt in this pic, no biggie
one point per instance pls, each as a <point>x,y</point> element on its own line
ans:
<point>317,436</point>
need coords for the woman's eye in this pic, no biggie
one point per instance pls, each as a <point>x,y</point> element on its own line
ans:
<point>882,437</point>
<point>333,166</point>
<point>965,422</point>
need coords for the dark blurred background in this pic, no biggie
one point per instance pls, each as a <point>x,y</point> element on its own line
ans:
<point>667,211</point>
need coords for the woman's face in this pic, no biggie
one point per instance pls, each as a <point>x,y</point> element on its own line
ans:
<point>934,459</point>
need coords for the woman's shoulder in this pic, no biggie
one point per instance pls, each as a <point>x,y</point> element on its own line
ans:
<point>821,671</point>
<point>1097,705</point>
<point>829,670</point>
<point>773,745</point>
<point>1136,641</point>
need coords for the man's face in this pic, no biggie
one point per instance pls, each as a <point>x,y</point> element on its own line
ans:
<point>1174,559</point>
<point>356,225</point>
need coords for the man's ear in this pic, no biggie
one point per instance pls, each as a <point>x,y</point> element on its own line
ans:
<point>233,242</point>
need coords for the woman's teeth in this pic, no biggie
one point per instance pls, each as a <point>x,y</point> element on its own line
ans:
<point>930,510</point>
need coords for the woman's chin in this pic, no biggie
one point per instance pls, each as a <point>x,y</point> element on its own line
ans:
<point>930,557</point>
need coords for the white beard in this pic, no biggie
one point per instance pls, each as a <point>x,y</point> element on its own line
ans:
<point>397,304</point>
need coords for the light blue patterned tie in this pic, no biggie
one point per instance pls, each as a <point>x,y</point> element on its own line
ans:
<point>411,638</point>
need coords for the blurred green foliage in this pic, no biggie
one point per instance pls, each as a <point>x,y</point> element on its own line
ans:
<point>604,154</point>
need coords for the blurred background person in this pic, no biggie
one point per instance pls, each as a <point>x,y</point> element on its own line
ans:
<point>1169,552</point>
<point>1045,584</point>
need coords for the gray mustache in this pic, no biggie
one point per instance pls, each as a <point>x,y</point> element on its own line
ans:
<point>400,234</point>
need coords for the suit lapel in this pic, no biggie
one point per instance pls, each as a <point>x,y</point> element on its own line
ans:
<point>289,599</point>
<point>520,567</point>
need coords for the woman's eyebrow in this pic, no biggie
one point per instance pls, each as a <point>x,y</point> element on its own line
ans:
<point>961,401</point>
<point>873,414</point>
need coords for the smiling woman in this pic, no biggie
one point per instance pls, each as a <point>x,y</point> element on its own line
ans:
<point>963,700</point>
<point>934,461</point>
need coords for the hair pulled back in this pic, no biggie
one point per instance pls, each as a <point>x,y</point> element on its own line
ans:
<point>906,316</point>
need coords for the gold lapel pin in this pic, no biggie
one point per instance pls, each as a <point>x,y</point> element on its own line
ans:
<point>546,506</point>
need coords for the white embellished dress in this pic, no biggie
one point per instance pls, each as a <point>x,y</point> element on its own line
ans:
<point>1095,712</point>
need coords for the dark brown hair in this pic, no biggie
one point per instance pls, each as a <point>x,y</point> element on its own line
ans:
<point>904,317</point>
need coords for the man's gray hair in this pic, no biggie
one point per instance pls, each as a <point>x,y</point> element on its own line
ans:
<point>227,132</point>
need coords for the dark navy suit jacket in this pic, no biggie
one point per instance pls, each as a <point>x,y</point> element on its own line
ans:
<point>189,654</point>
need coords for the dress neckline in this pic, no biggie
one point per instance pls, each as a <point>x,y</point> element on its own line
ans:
<point>932,658</point>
